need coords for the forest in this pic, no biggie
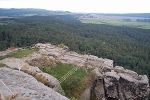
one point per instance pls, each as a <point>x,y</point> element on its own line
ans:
<point>128,47</point>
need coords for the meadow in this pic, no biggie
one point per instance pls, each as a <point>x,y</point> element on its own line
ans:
<point>19,53</point>
<point>72,86</point>
<point>116,21</point>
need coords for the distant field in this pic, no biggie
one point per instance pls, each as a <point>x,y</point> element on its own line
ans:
<point>29,15</point>
<point>117,21</point>
<point>4,17</point>
<point>2,23</point>
<point>143,25</point>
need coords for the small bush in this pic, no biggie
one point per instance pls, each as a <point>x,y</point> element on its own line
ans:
<point>73,98</point>
<point>40,78</point>
<point>2,65</point>
<point>61,45</point>
<point>89,79</point>
<point>73,87</point>
<point>2,57</point>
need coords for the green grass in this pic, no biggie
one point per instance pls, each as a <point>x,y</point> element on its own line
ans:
<point>93,21</point>
<point>130,24</point>
<point>1,23</point>
<point>74,85</point>
<point>61,69</point>
<point>143,25</point>
<point>22,53</point>
<point>19,53</point>
<point>2,65</point>
<point>2,57</point>
<point>30,14</point>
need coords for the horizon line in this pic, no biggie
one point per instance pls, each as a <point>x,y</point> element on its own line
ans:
<point>84,12</point>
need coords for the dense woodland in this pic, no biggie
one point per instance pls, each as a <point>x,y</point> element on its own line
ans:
<point>128,47</point>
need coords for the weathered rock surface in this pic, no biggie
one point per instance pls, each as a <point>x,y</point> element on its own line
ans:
<point>49,81</point>
<point>111,83</point>
<point>45,78</point>
<point>97,89</point>
<point>26,87</point>
<point>3,53</point>
<point>120,84</point>
<point>69,57</point>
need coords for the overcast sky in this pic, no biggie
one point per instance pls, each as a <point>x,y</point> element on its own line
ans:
<point>99,6</point>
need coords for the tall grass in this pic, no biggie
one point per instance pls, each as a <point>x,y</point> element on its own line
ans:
<point>61,69</point>
<point>74,85</point>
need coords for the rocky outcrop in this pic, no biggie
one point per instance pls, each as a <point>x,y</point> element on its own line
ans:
<point>69,57</point>
<point>4,53</point>
<point>97,89</point>
<point>48,80</point>
<point>111,83</point>
<point>120,84</point>
<point>25,87</point>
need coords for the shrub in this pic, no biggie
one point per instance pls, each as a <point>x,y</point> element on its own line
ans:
<point>2,65</point>
<point>61,45</point>
<point>73,87</point>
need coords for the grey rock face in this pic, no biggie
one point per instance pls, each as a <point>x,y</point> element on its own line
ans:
<point>97,90</point>
<point>45,78</point>
<point>49,81</point>
<point>64,56</point>
<point>26,86</point>
<point>111,83</point>
<point>120,84</point>
<point>135,89</point>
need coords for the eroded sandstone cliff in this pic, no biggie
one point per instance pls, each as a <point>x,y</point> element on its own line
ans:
<point>25,87</point>
<point>120,85</point>
<point>111,83</point>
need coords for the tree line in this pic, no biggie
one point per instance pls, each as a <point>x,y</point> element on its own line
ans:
<point>128,47</point>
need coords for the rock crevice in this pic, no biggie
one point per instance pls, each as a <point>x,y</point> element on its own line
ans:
<point>111,83</point>
<point>121,86</point>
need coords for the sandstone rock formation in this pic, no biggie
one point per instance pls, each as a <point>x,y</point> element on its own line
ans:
<point>25,87</point>
<point>69,57</point>
<point>3,53</point>
<point>120,84</point>
<point>111,83</point>
<point>45,78</point>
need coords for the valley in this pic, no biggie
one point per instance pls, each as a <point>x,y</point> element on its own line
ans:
<point>72,53</point>
<point>81,84</point>
<point>115,20</point>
